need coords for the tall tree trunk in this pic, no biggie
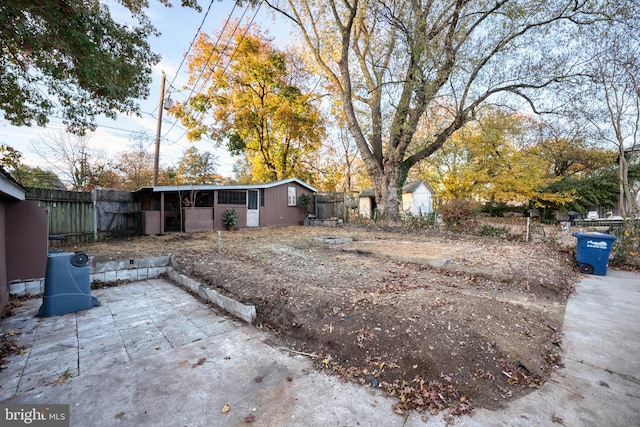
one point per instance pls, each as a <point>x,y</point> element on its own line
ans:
<point>385,189</point>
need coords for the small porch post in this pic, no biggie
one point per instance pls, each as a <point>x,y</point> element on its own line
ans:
<point>162,212</point>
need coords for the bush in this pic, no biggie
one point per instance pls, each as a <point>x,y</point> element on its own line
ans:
<point>493,231</point>
<point>459,215</point>
<point>627,247</point>
<point>230,218</point>
<point>303,202</point>
<point>410,220</point>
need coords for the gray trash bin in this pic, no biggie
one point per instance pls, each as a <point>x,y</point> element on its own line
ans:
<point>67,287</point>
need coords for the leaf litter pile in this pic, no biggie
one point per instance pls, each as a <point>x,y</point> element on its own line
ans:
<point>439,321</point>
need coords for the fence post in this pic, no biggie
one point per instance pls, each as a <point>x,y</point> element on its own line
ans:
<point>94,199</point>
<point>526,239</point>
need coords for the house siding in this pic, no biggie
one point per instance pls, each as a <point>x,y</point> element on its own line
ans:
<point>26,239</point>
<point>276,211</point>
<point>407,202</point>
<point>4,287</point>
<point>197,219</point>
<point>219,210</point>
<point>23,243</point>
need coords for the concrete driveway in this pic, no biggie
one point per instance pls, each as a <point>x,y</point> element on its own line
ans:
<point>600,383</point>
<point>154,355</point>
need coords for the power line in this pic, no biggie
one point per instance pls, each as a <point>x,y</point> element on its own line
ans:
<point>127,132</point>
<point>195,84</point>
<point>184,57</point>
<point>230,57</point>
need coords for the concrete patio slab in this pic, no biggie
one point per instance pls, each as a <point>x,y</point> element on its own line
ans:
<point>152,354</point>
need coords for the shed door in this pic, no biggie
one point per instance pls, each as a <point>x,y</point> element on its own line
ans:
<point>253,211</point>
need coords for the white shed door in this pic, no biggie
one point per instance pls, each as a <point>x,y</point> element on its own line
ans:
<point>253,210</point>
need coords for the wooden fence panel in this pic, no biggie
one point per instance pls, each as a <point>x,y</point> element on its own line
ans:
<point>330,205</point>
<point>86,216</point>
<point>117,213</point>
<point>70,213</point>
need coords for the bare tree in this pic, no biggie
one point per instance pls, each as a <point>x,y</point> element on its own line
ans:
<point>80,166</point>
<point>611,103</point>
<point>136,164</point>
<point>391,63</point>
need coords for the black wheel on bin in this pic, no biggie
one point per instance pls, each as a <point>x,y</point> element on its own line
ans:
<point>586,268</point>
<point>79,259</point>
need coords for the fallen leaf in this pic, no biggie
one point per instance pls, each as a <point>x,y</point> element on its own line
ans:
<point>199,362</point>
<point>225,409</point>
<point>249,418</point>
<point>120,415</point>
<point>62,378</point>
<point>398,410</point>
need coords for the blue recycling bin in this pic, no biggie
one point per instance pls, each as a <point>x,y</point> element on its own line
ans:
<point>592,252</point>
<point>67,286</point>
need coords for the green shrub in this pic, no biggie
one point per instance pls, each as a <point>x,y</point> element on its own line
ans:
<point>230,218</point>
<point>303,202</point>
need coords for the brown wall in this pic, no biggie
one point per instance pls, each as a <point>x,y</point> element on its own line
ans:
<point>151,222</point>
<point>4,287</point>
<point>275,211</point>
<point>219,210</point>
<point>197,219</point>
<point>26,238</point>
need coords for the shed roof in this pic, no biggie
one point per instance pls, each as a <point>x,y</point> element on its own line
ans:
<point>211,187</point>
<point>409,187</point>
<point>10,187</point>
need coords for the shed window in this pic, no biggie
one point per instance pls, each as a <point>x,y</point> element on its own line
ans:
<point>226,197</point>
<point>291,196</point>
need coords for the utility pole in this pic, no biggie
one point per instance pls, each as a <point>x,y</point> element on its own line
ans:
<point>156,160</point>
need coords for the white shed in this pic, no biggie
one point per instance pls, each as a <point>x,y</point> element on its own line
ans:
<point>417,198</point>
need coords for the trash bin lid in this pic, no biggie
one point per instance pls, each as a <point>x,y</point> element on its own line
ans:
<point>594,235</point>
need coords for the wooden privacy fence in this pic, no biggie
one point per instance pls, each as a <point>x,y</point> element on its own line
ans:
<point>87,216</point>
<point>330,205</point>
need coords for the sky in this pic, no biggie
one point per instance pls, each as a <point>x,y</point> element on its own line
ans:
<point>178,26</point>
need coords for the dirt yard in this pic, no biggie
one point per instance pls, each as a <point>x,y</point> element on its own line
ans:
<point>440,321</point>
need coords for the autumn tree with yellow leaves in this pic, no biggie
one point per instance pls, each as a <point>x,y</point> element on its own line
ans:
<point>497,159</point>
<point>250,97</point>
